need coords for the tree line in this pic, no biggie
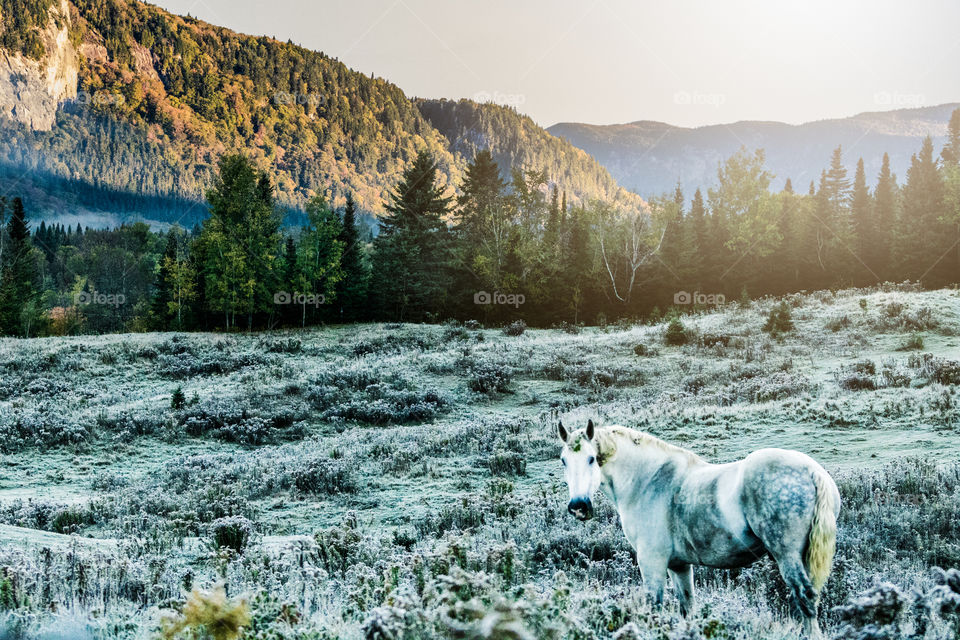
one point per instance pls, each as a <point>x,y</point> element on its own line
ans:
<point>506,247</point>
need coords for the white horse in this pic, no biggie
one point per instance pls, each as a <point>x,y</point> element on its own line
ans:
<point>678,510</point>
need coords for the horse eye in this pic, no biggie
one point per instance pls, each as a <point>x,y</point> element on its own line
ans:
<point>590,460</point>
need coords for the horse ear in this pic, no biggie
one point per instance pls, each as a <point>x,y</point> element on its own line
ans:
<point>561,431</point>
<point>590,430</point>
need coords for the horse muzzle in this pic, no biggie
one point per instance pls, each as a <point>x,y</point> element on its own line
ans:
<point>581,508</point>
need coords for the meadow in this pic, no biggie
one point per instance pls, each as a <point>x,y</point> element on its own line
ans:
<point>399,481</point>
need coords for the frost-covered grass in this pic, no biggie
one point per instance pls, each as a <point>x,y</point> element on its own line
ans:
<point>401,481</point>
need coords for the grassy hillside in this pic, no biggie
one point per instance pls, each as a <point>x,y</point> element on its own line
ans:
<point>402,481</point>
<point>163,96</point>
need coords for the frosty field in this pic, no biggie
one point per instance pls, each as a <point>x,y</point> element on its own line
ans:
<point>402,481</point>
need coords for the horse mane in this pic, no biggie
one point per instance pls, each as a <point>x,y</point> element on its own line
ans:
<point>608,439</point>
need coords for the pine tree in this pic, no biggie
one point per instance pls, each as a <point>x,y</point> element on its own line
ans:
<point>290,273</point>
<point>836,183</point>
<point>834,217</point>
<point>886,196</point>
<point>744,214</point>
<point>482,226</point>
<point>289,281</point>
<point>923,236</point>
<point>319,254</point>
<point>412,252</point>
<point>20,312</point>
<point>864,230</point>
<point>951,151</point>
<point>700,236</point>
<point>160,305</point>
<point>481,192</point>
<point>822,209</point>
<point>552,229</point>
<point>352,290</point>
<point>783,264</point>
<point>181,284</point>
<point>577,264</point>
<point>241,241</point>
<point>675,247</point>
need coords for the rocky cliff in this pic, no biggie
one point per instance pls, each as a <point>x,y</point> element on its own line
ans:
<point>31,91</point>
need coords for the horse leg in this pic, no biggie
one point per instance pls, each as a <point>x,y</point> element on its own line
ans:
<point>683,583</point>
<point>653,572</point>
<point>779,509</point>
<point>803,598</point>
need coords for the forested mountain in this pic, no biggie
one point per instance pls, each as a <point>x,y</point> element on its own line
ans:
<point>651,157</point>
<point>516,140</point>
<point>161,97</point>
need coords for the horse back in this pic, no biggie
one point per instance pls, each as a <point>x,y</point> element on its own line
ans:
<point>709,524</point>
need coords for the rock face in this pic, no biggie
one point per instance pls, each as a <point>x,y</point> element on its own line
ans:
<point>31,91</point>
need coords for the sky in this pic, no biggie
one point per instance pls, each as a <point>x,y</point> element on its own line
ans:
<point>685,62</point>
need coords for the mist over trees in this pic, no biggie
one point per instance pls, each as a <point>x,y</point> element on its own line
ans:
<point>508,247</point>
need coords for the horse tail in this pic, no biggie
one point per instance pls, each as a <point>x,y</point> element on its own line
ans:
<point>822,539</point>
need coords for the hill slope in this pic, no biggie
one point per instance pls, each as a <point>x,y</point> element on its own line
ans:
<point>516,140</point>
<point>161,97</point>
<point>650,157</point>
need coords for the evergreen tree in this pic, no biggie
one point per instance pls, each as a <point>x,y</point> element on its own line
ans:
<point>160,305</point>
<point>865,232</point>
<point>672,212</point>
<point>836,228</point>
<point>352,290</point>
<point>578,264</point>
<point>744,214</point>
<point>922,233</point>
<point>318,258</point>
<point>181,278</point>
<point>290,272</point>
<point>886,196</point>
<point>483,225</point>
<point>20,312</point>
<point>552,229</point>
<point>412,252</point>
<point>783,264</point>
<point>242,240</point>
<point>950,170</point>
<point>289,281</point>
<point>700,236</point>
<point>951,151</point>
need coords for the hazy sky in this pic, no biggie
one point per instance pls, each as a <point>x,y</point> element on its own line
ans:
<point>687,62</point>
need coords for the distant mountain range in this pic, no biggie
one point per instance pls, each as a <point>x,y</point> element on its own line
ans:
<point>114,110</point>
<point>651,157</point>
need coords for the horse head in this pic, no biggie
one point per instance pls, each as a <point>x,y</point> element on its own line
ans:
<point>580,468</point>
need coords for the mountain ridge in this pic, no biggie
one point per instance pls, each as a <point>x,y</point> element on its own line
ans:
<point>161,97</point>
<point>651,157</point>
